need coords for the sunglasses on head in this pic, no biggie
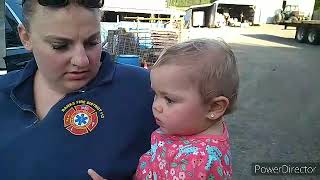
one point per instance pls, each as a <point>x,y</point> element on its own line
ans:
<point>62,3</point>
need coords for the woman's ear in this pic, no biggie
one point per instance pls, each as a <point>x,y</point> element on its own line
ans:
<point>218,107</point>
<point>25,37</point>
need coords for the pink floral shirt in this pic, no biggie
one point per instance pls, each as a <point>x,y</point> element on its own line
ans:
<point>186,157</point>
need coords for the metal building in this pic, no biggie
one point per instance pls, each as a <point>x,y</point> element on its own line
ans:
<point>253,11</point>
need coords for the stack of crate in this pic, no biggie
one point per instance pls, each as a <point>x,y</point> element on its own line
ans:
<point>161,39</point>
<point>122,42</point>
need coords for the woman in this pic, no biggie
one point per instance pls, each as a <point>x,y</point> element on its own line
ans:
<point>71,108</point>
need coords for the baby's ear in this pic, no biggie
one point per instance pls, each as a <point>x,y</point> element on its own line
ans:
<point>218,107</point>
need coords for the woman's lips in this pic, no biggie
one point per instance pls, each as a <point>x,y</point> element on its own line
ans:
<point>77,75</point>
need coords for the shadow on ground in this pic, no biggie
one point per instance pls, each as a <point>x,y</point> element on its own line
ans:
<point>273,38</point>
<point>278,113</point>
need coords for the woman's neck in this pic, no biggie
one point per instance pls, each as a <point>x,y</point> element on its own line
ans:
<point>45,97</point>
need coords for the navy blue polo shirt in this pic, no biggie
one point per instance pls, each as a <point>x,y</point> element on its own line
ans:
<point>105,126</point>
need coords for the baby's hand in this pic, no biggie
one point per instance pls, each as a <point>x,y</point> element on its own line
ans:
<point>94,175</point>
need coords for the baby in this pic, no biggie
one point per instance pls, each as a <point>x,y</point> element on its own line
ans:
<point>196,83</point>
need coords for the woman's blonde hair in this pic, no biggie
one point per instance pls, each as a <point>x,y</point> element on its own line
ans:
<point>211,66</point>
<point>29,6</point>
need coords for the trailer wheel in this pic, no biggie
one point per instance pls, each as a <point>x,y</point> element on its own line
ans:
<point>313,37</point>
<point>301,34</point>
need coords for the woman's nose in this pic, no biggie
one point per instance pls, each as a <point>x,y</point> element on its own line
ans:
<point>80,59</point>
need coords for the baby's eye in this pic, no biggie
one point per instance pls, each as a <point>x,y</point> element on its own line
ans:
<point>168,100</point>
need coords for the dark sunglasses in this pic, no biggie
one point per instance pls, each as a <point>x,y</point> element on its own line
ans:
<point>62,3</point>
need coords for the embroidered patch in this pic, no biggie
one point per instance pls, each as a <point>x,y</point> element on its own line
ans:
<point>81,117</point>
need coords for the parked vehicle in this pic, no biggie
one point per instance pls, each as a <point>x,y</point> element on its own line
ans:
<point>15,56</point>
<point>292,13</point>
<point>306,31</point>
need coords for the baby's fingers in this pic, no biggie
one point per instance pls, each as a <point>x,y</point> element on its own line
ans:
<point>94,175</point>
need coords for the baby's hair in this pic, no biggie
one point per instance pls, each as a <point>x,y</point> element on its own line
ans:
<point>211,66</point>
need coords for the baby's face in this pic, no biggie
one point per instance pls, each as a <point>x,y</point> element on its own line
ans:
<point>177,106</point>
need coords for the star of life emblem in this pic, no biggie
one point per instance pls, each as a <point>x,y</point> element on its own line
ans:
<point>81,119</point>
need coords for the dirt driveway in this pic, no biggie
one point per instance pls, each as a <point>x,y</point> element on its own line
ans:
<point>278,119</point>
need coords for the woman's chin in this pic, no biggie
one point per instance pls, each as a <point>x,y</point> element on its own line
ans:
<point>76,85</point>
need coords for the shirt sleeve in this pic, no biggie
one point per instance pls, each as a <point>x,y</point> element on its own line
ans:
<point>144,169</point>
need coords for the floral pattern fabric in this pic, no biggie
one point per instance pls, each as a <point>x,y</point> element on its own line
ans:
<point>186,158</point>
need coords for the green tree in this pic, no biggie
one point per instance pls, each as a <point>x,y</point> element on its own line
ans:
<point>317,5</point>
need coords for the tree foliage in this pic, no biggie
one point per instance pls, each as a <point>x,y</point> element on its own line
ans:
<point>317,5</point>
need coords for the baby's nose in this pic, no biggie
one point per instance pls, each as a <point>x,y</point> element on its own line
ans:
<point>157,108</point>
